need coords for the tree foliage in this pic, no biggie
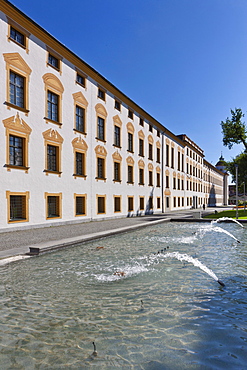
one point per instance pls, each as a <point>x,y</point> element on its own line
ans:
<point>234,130</point>
<point>241,161</point>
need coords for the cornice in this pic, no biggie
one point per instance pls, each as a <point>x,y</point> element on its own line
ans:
<point>53,135</point>
<point>17,124</point>
<point>79,143</point>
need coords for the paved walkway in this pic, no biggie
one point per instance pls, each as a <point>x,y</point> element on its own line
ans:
<point>46,238</point>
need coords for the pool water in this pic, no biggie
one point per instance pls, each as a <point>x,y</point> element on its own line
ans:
<point>142,310</point>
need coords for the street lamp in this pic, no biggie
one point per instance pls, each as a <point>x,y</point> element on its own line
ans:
<point>244,195</point>
<point>236,167</point>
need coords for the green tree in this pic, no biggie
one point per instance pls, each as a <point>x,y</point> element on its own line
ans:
<point>234,130</point>
<point>241,161</point>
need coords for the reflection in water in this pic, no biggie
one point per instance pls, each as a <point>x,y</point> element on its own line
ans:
<point>53,307</point>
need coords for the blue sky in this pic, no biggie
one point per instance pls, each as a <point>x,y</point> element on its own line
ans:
<point>183,61</point>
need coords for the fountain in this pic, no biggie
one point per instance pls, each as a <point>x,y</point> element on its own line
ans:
<point>194,261</point>
<point>227,219</point>
<point>213,228</point>
<point>155,315</point>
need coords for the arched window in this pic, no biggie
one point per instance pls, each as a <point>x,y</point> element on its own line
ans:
<point>53,105</point>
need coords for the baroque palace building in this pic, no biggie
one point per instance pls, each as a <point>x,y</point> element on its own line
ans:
<point>75,148</point>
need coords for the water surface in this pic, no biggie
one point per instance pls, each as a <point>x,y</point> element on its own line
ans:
<point>162,314</point>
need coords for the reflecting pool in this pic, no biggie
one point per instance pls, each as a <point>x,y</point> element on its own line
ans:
<point>142,310</point>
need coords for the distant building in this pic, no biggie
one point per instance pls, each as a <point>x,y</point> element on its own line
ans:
<point>221,166</point>
<point>75,148</point>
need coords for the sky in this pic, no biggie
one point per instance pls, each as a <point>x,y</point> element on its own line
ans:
<point>182,61</point>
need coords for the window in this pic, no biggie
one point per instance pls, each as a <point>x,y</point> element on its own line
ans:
<point>178,161</point>
<point>80,119</point>
<point>101,94</point>
<point>158,155</point>
<point>101,154</point>
<point>130,133</point>
<point>16,89</point>
<point>54,90</point>
<point>16,149</point>
<point>172,157</point>
<point>141,205</point>
<point>80,205</point>
<point>158,133</point>
<point>17,36</point>
<point>141,147</point>
<point>80,106</point>
<point>53,205</point>
<point>167,181</point>
<point>150,151</point>
<point>53,145</point>
<point>52,158</point>
<point>174,182</point>
<point>130,114</point>
<point>167,202</point>
<point>117,132</point>
<point>130,204</point>
<point>17,137</point>
<point>167,155</point>
<point>81,80</point>
<point>101,129</point>
<point>117,105</point>
<point>80,150</point>
<point>158,202</point>
<point>150,202</point>
<point>174,202</point>
<point>141,122</point>
<point>150,178</point>
<point>117,174</point>
<point>130,142</point>
<point>80,164</point>
<point>178,184</point>
<point>150,128</point>
<point>17,206</point>
<point>130,175</point>
<point>141,176</point>
<point>158,180</point>
<point>52,106</point>
<point>53,61</point>
<point>101,204</point>
<point>117,204</point>
<point>101,168</point>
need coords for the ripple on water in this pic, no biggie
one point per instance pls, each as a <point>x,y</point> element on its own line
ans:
<point>160,312</point>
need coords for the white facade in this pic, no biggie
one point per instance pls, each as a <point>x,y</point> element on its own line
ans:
<point>28,131</point>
